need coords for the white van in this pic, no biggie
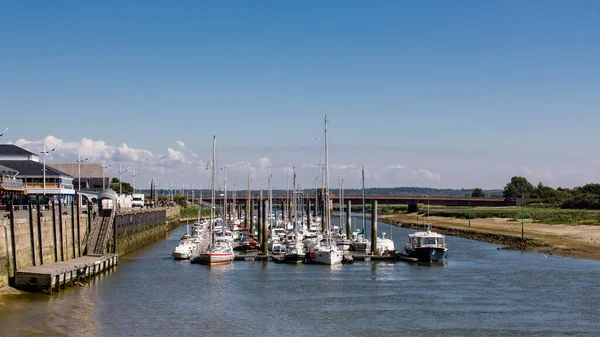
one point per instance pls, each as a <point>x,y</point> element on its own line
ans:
<point>138,201</point>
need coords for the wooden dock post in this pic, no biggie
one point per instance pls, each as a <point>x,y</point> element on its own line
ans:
<point>260,220</point>
<point>78,229</point>
<point>373,226</point>
<point>39,229</point>
<point>349,219</point>
<point>12,235</point>
<point>54,232</point>
<point>73,228</point>
<point>31,234</point>
<point>60,230</point>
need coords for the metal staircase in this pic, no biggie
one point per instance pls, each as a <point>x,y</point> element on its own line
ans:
<point>101,233</point>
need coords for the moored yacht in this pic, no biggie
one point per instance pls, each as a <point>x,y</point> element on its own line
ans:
<point>425,246</point>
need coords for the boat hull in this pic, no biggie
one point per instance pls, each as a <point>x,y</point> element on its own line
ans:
<point>293,258</point>
<point>328,257</point>
<point>213,259</point>
<point>181,255</point>
<point>427,254</point>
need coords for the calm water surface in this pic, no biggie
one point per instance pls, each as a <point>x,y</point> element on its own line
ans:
<point>479,291</point>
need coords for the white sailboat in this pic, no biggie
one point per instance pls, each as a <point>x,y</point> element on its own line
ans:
<point>327,251</point>
<point>295,250</point>
<point>219,250</point>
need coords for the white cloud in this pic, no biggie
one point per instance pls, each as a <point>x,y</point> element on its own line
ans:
<point>526,170</point>
<point>92,149</point>
<point>394,167</point>
<point>181,144</point>
<point>175,155</point>
<point>426,174</point>
<point>264,163</point>
<point>342,167</point>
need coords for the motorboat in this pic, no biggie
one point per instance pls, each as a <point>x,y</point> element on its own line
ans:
<point>425,246</point>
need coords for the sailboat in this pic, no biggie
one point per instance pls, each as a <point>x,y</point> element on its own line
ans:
<point>327,251</point>
<point>360,243</point>
<point>295,250</point>
<point>219,250</point>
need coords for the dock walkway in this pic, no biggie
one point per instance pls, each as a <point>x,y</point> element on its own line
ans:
<point>51,277</point>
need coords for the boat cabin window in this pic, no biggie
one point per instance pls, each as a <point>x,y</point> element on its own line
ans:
<point>429,241</point>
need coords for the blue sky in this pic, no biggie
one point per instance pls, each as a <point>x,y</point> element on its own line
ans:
<point>431,93</point>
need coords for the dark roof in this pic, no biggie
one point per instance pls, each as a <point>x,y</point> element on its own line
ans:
<point>11,149</point>
<point>28,168</point>
<point>7,170</point>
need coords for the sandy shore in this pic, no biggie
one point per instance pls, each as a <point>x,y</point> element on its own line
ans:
<point>564,240</point>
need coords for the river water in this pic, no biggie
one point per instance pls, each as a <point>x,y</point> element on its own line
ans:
<point>478,291</point>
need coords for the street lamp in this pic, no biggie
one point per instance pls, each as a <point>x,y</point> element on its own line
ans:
<point>79,161</point>
<point>44,153</point>
<point>104,174</point>
<point>135,175</point>
<point>121,171</point>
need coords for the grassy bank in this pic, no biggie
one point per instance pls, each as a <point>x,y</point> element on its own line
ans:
<point>192,212</point>
<point>551,216</point>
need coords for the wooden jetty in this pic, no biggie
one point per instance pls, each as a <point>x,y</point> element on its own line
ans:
<point>51,277</point>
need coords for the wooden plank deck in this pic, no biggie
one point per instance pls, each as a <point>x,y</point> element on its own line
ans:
<point>51,277</point>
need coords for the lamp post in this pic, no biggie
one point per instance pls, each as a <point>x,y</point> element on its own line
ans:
<point>44,153</point>
<point>79,161</point>
<point>104,173</point>
<point>134,175</point>
<point>121,171</point>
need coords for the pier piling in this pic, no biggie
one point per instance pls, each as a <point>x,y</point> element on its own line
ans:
<point>265,229</point>
<point>373,227</point>
<point>348,219</point>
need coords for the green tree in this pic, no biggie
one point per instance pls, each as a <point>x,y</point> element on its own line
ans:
<point>477,193</point>
<point>114,181</point>
<point>127,188</point>
<point>516,187</point>
<point>180,200</point>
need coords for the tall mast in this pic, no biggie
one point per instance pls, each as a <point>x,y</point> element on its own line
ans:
<point>363,190</point>
<point>294,207</point>
<point>224,198</point>
<point>270,215</point>
<point>234,211</point>
<point>212,189</point>
<point>326,172</point>
<point>248,212</point>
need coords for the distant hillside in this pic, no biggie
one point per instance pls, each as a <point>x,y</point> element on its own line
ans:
<point>385,191</point>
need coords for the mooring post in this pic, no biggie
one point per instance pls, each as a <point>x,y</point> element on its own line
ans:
<point>250,214</point>
<point>265,229</point>
<point>60,229</point>
<point>348,219</point>
<point>73,227</point>
<point>246,219</point>
<point>260,220</point>
<point>78,229</point>
<point>31,234</point>
<point>54,232</point>
<point>39,229</point>
<point>373,226</point>
<point>89,218</point>
<point>12,235</point>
